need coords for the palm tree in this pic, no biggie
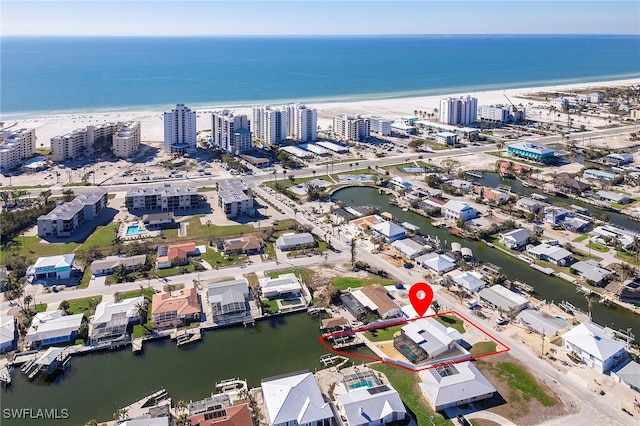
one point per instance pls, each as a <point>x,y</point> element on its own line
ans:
<point>183,420</point>
<point>181,407</point>
<point>27,302</point>
<point>436,307</point>
<point>64,306</point>
<point>141,310</point>
<point>5,196</point>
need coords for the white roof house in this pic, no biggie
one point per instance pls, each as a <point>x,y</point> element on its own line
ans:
<point>454,385</point>
<point>112,318</point>
<point>228,300</point>
<point>516,238</point>
<point>409,248</point>
<point>373,406</point>
<point>595,346</point>
<point>52,327</point>
<point>455,210</point>
<point>58,267</point>
<point>400,183</point>
<point>541,322</point>
<point>283,285</point>
<point>389,230</point>
<point>431,336</point>
<point>293,241</point>
<point>551,253</point>
<point>7,332</point>
<point>439,263</point>
<point>503,298</point>
<point>591,270</point>
<point>294,399</point>
<point>470,280</point>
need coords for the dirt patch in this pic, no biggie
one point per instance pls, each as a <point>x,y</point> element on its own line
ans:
<point>512,403</point>
<point>484,422</point>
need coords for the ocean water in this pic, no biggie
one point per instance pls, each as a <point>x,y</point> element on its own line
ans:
<point>70,73</point>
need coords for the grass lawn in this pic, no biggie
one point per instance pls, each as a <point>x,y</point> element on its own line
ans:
<point>170,234</point>
<point>344,283</point>
<point>135,293</point>
<point>304,273</point>
<point>216,258</point>
<point>482,348</point>
<point>581,238</point>
<point>40,307</point>
<point>522,384</point>
<point>103,236</point>
<point>406,383</point>
<point>495,240</point>
<point>84,306</point>
<point>598,247</point>
<point>199,230</point>
<point>86,278</point>
<point>382,334</point>
<point>270,306</point>
<point>175,270</point>
<point>348,160</point>
<point>140,331</point>
<point>451,321</point>
<point>628,256</point>
<point>32,248</point>
<point>270,251</point>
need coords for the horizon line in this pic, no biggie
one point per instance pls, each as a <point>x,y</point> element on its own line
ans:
<point>322,35</point>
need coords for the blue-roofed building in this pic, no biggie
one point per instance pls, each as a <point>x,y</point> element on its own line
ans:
<point>555,215</point>
<point>531,151</point>
<point>54,267</point>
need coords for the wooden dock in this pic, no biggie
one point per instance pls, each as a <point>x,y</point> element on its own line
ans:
<point>5,374</point>
<point>136,345</point>
<point>184,337</point>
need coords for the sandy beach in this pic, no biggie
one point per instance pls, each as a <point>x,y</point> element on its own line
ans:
<point>52,124</point>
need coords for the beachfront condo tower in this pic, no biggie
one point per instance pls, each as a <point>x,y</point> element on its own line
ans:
<point>353,128</point>
<point>269,125</point>
<point>462,110</point>
<point>126,141</point>
<point>305,124</point>
<point>179,130</point>
<point>96,141</point>
<point>15,146</point>
<point>230,132</point>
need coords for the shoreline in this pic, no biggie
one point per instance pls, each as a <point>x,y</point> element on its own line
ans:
<point>390,106</point>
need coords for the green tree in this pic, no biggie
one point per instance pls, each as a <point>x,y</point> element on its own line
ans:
<point>68,195</point>
<point>64,306</point>
<point>435,305</point>
<point>354,251</point>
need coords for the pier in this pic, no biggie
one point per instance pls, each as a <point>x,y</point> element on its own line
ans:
<point>331,360</point>
<point>5,373</point>
<point>184,337</point>
<point>52,361</point>
<point>136,345</point>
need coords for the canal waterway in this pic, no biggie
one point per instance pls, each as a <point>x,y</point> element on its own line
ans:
<point>545,287</point>
<point>97,385</point>
<point>492,180</point>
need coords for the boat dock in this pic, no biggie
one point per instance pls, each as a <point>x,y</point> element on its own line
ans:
<point>51,361</point>
<point>136,345</point>
<point>5,373</point>
<point>233,387</point>
<point>184,337</point>
<point>331,360</point>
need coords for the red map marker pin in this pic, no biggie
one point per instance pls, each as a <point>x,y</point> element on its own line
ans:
<point>420,295</point>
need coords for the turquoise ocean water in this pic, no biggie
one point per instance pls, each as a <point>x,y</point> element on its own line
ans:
<point>69,73</point>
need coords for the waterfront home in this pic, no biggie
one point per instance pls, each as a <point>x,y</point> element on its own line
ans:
<point>530,150</point>
<point>567,182</point>
<point>606,233</point>
<point>368,402</point>
<point>7,333</point>
<point>613,197</point>
<point>598,174</point>
<point>111,319</point>
<point>449,386</point>
<point>295,399</point>
<point>292,241</point>
<point>147,420</point>
<point>462,185</point>
<point>248,245</point>
<point>341,215</point>
<point>515,239</point>
<point>235,415</point>
<point>51,267</point>
<point>529,205</point>
<point>163,197</point>
<point>377,299</point>
<point>501,298</point>
<point>555,215</point>
<point>400,183</point>
<point>52,327</point>
<point>542,323</point>
<point>595,346</point>
<point>176,309</point>
<point>439,263</point>
<point>591,271</point>
<point>159,220</point>
<point>471,281</point>
<point>110,264</point>
<point>66,218</point>
<point>618,160</point>
<point>576,224</point>
<point>408,248</point>
<point>458,210</point>
<point>228,301</point>
<point>426,339</point>
<point>176,254</point>
<point>491,196</point>
<point>282,287</point>
<point>389,231</point>
<point>629,375</point>
<point>551,253</point>
<point>366,222</point>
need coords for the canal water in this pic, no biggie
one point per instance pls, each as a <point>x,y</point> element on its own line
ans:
<point>545,287</point>
<point>97,385</point>
<point>492,180</point>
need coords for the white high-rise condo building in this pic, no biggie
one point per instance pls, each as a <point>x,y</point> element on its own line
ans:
<point>91,139</point>
<point>305,128</point>
<point>231,133</point>
<point>269,124</point>
<point>126,141</point>
<point>501,114</point>
<point>351,127</point>
<point>179,130</point>
<point>462,110</point>
<point>15,146</point>
<point>380,126</point>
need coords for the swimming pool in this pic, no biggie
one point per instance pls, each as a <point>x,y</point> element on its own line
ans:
<point>363,384</point>
<point>135,230</point>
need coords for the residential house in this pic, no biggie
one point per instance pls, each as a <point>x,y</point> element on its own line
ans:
<point>439,263</point>
<point>555,215</point>
<point>366,222</point>
<point>110,264</point>
<point>576,224</point>
<point>7,333</point>
<point>542,323</point>
<point>408,248</point>
<point>529,205</point>
<point>175,309</point>
<point>567,182</point>
<point>604,233</point>
<point>449,386</point>
<point>377,299</point>
<point>618,160</point>
<point>295,399</point>
<point>111,319</point>
<point>51,267</point>
<point>503,299</point>
<point>515,239</point>
<point>595,346</point>
<point>177,254</point>
<point>52,327</point>
<point>400,184</point>
<point>458,210</point>
<point>248,245</point>
<point>159,220</point>
<point>471,281</point>
<point>371,405</point>
<point>591,271</point>
<point>228,301</point>
<point>235,415</point>
<point>426,339</point>
<point>551,253</point>
<point>282,287</point>
<point>389,231</point>
<point>491,196</point>
<point>291,241</point>
<point>613,197</point>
